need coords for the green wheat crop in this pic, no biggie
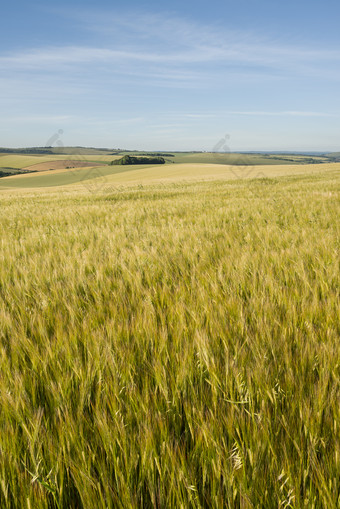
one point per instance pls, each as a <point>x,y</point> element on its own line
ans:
<point>171,346</point>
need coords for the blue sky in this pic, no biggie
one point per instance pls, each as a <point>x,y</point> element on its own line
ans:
<point>171,76</point>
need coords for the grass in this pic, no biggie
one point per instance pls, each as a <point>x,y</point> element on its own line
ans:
<point>22,161</point>
<point>65,177</point>
<point>171,345</point>
<point>192,172</point>
<point>103,176</point>
<point>244,159</point>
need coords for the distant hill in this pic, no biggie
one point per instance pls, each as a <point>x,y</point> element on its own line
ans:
<point>59,150</point>
<point>334,156</point>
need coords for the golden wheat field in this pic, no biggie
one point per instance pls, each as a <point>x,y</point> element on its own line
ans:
<point>171,340</point>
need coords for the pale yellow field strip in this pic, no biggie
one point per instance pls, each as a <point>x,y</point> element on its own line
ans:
<point>201,171</point>
<point>43,172</point>
<point>197,172</point>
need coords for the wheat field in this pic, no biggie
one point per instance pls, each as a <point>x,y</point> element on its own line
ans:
<point>24,161</point>
<point>171,345</point>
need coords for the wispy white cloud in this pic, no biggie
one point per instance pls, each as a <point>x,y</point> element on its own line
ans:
<point>283,113</point>
<point>163,43</point>
<point>254,113</point>
<point>233,54</point>
<point>39,119</point>
<point>114,122</point>
<point>198,115</point>
<point>160,74</point>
